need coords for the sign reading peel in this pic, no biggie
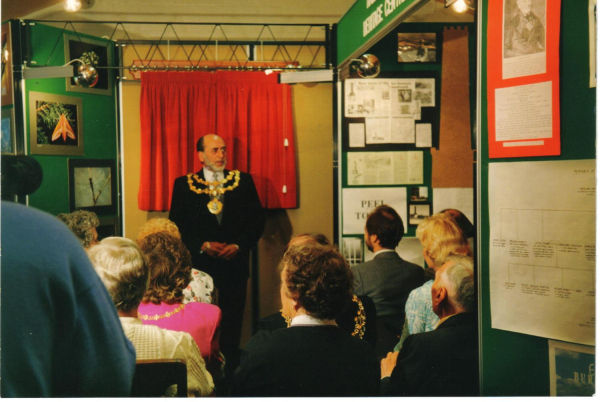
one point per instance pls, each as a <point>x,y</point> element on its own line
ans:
<point>365,19</point>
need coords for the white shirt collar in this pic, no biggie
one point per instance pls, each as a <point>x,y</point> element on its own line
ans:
<point>385,250</point>
<point>308,320</point>
<point>209,174</point>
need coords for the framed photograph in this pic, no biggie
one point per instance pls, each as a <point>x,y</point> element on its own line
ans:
<point>417,213</point>
<point>108,227</point>
<point>55,124</point>
<point>93,185</point>
<point>572,369</point>
<point>7,80</point>
<point>9,141</point>
<point>91,51</point>
<point>352,249</point>
<point>417,47</point>
<point>419,194</point>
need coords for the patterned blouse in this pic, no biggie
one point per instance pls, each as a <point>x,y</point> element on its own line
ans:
<point>200,288</point>
<point>419,313</point>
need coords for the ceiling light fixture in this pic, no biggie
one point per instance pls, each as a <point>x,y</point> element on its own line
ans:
<point>460,6</point>
<point>72,5</point>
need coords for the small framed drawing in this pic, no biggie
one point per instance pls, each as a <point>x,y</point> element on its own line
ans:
<point>95,52</point>
<point>7,73</point>
<point>419,194</point>
<point>9,143</point>
<point>417,47</point>
<point>93,185</point>
<point>417,213</point>
<point>55,123</point>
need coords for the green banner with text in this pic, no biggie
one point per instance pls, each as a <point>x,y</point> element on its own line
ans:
<point>365,19</point>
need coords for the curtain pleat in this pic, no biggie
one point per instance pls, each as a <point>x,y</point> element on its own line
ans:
<point>250,110</point>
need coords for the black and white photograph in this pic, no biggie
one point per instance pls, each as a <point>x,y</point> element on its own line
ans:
<point>94,52</point>
<point>524,27</point>
<point>425,92</point>
<point>417,213</point>
<point>352,249</point>
<point>419,194</point>
<point>417,48</point>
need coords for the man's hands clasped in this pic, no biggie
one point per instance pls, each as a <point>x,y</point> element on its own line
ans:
<point>220,250</point>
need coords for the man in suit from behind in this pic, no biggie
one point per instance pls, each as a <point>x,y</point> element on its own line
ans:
<point>445,361</point>
<point>387,279</point>
<point>220,217</point>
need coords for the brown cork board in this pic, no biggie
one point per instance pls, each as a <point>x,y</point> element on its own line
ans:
<point>452,163</point>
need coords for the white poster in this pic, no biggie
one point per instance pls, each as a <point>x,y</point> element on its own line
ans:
<point>423,135</point>
<point>524,112</point>
<point>543,248</point>
<point>359,202</point>
<point>384,168</point>
<point>454,198</point>
<point>401,97</point>
<point>357,135</point>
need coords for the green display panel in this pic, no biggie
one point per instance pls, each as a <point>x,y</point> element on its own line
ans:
<point>98,119</point>
<point>514,364</point>
<point>365,19</point>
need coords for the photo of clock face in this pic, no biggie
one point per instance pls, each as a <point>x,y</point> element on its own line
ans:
<point>92,186</point>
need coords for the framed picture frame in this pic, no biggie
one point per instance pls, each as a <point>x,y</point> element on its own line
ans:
<point>417,213</point>
<point>55,124</point>
<point>419,194</point>
<point>93,185</point>
<point>417,47</point>
<point>9,139</point>
<point>7,73</point>
<point>108,227</point>
<point>94,51</point>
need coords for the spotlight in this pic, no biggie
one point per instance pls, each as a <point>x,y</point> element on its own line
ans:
<point>72,5</point>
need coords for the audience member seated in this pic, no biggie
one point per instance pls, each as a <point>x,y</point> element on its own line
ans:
<point>169,263</point>
<point>123,269</point>
<point>443,362</point>
<point>201,287</point>
<point>313,357</point>
<point>358,319</point>
<point>83,224</point>
<point>387,279</point>
<point>440,237</point>
<point>61,335</point>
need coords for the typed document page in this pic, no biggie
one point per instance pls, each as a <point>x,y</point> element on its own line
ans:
<point>543,248</point>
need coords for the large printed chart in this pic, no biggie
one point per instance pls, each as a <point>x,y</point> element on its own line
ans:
<point>543,248</point>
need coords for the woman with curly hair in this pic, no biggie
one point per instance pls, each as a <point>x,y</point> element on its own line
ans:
<point>83,224</point>
<point>201,287</point>
<point>169,264</point>
<point>313,357</point>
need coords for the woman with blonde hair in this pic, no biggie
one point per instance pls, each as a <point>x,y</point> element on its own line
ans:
<point>201,287</point>
<point>169,263</point>
<point>441,238</point>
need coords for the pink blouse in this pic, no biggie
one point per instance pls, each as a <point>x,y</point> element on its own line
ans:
<point>201,320</point>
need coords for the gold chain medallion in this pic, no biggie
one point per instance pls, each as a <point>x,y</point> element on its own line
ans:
<point>214,189</point>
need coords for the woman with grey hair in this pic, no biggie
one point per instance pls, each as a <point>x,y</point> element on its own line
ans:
<point>83,224</point>
<point>124,271</point>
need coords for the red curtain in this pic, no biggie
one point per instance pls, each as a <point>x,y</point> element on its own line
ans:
<point>250,110</point>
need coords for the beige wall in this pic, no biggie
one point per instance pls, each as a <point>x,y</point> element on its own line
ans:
<point>313,119</point>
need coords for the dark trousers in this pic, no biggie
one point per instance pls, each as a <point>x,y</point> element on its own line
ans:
<point>232,300</point>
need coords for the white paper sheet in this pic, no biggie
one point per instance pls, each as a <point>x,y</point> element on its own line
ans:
<point>543,248</point>
<point>455,198</point>
<point>358,202</point>
<point>394,130</point>
<point>423,135</point>
<point>357,135</point>
<point>409,249</point>
<point>384,168</point>
<point>524,112</point>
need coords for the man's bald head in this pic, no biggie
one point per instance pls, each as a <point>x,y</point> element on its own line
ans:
<point>200,143</point>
